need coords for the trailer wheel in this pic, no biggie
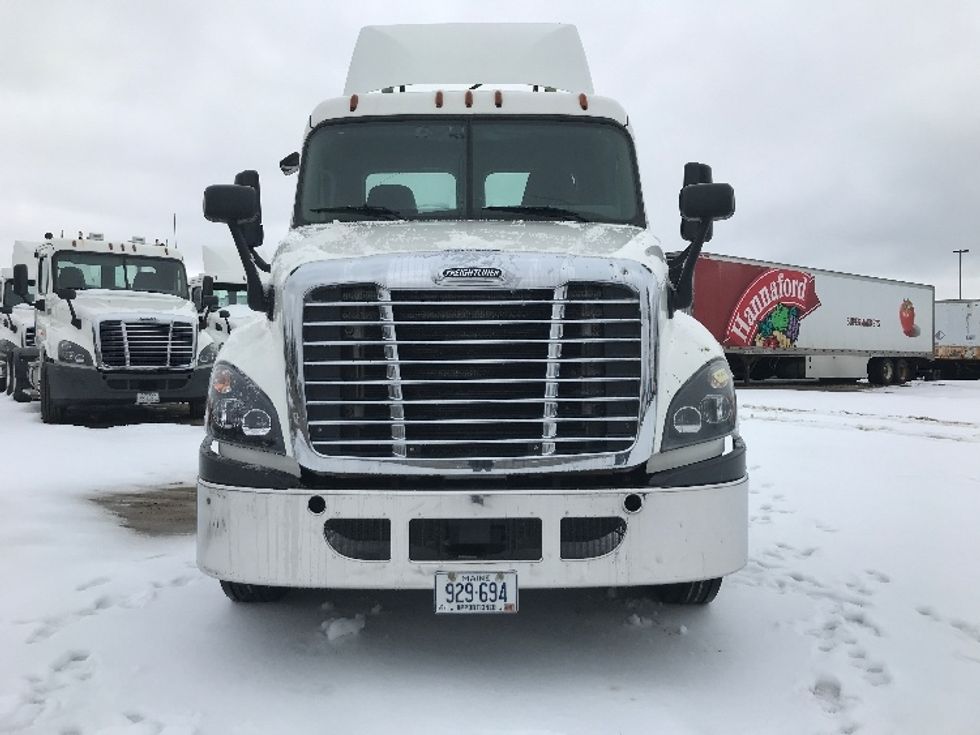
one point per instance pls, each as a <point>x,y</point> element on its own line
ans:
<point>903,371</point>
<point>50,412</point>
<point>881,371</point>
<point>700,592</point>
<point>239,592</point>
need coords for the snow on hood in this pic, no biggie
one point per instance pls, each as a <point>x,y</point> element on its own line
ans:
<point>357,239</point>
<point>22,315</point>
<point>96,303</point>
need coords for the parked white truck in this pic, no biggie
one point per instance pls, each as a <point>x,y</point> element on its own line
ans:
<point>957,352</point>
<point>220,293</point>
<point>473,371</point>
<point>17,322</point>
<point>114,326</point>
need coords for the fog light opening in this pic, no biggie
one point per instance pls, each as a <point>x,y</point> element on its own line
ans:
<point>633,503</point>
<point>316,505</point>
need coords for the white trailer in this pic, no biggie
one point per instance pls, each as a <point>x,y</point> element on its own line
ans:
<point>957,352</point>
<point>114,325</point>
<point>473,369</point>
<point>793,322</point>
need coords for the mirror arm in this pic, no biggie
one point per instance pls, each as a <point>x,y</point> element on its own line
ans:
<point>253,285</point>
<point>680,295</point>
<point>260,263</point>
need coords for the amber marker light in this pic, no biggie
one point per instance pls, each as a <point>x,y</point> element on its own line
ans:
<point>221,380</point>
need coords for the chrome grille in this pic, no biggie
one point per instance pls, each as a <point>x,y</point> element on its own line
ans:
<point>28,336</point>
<point>146,344</point>
<point>472,373</point>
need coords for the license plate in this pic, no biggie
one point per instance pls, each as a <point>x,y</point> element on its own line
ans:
<point>145,399</point>
<point>476,592</point>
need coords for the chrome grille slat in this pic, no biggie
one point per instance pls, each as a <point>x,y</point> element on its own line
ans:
<point>146,344</point>
<point>471,372</point>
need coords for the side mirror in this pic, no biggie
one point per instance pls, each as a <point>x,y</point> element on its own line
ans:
<point>253,231</point>
<point>66,293</point>
<point>231,204</point>
<point>695,173</point>
<point>224,313</point>
<point>207,286</point>
<point>290,164</point>
<point>40,304</point>
<point>21,284</point>
<point>6,310</point>
<point>707,202</point>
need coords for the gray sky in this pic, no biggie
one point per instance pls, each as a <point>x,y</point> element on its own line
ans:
<point>851,131</point>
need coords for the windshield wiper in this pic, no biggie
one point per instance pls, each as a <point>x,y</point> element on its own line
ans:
<point>543,211</point>
<point>365,209</point>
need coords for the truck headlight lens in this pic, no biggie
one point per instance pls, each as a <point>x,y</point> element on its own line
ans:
<point>208,354</point>
<point>73,353</point>
<point>240,413</point>
<point>703,409</point>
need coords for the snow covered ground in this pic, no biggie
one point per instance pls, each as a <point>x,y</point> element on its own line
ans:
<point>859,610</point>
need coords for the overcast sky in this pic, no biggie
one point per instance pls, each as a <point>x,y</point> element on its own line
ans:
<point>850,130</point>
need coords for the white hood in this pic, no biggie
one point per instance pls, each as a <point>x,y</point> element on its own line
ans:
<point>93,304</point>
<point>22,315</point>
<point>357,239</point>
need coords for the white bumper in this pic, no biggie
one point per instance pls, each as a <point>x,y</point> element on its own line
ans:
<point>270,537</point>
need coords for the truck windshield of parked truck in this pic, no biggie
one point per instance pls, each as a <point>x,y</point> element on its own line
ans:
<point>118,272</point>
<point>230,294</point>
<point>13,299</point>
<point>542,168</point>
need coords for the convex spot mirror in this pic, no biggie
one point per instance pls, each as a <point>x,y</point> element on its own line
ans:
<point>707,201</point>
<point>230,203</point>
<point>20,281</point>
<point>290,164</point>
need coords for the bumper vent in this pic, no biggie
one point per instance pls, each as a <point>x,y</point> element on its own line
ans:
<point>29,337</point>
<point>471,374</point>
<point>589,538</point>
<point>478,539</point>
<point>146,344</point>
<point>367,539</point>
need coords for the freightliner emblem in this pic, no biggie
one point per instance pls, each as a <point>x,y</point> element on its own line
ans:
<point>472,273</point>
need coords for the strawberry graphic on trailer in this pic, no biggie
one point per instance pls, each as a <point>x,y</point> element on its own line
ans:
<point>906,315</point>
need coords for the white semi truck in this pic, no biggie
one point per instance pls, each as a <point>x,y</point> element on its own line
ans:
<point>17,322</point>
<point>114,326</point>
<point>473,373</point>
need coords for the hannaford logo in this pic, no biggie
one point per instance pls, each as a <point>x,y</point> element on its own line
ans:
<point>472,273</point>
<point>769,312</point>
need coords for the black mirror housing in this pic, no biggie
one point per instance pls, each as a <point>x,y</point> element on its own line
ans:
<point>290,164</point>
<point>231,204</point>
<point>207,286</point>
<point>253,231</point>
<point>224,313</point>
<point>707,202</point>
<point>66,293</point>
<point>209,302</point>
<point>6,310</point>
<point>21,285</point>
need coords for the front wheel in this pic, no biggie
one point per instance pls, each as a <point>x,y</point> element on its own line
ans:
<point>239,592</point>
<point>700,592</point>
<point>17,379</point>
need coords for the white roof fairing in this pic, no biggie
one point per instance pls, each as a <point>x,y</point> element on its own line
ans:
<point>547,54</point>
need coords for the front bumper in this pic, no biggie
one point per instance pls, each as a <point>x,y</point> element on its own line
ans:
<point>72,385</point>
<point>271,537</point>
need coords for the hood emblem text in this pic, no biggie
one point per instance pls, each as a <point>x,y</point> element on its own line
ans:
<point>472,273</point>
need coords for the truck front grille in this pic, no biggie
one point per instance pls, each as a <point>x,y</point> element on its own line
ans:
<point>472,373</point>
<point>146,344</point>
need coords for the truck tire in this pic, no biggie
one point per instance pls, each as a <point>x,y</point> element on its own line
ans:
<point>50,412</point>
<point>903,371</point>
<point>239,592</point>
<point>881,371</point>
<point>19,385</point>
<point>700,592</point>
<point>8,382</point>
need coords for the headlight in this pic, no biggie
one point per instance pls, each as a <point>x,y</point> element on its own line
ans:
<point>208,354</point>
<point>703,409</point>
<point>73,353</point>
<point>240,413</point>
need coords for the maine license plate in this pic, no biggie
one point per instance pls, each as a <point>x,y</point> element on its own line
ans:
<point>476,592</point>
<point>145,399</point>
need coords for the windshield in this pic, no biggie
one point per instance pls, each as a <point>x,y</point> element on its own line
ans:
<point>119,272</point>
<point>230,294</point>
<point>12,299</point>
<point>445,168</point>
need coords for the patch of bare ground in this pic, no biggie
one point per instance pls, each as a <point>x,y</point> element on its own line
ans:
<point>167,510</point>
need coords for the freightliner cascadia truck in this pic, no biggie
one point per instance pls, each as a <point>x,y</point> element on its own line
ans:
<point>473,373</point>
<point>114,326</point>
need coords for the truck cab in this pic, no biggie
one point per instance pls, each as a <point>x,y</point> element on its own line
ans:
<point>115,326</point>
<point>17,321</point>
<point>473,372</point>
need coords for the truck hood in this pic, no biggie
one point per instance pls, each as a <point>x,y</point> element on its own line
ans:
<point>93,304</point>
<point>357,239</point>
<point>22,315</point>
